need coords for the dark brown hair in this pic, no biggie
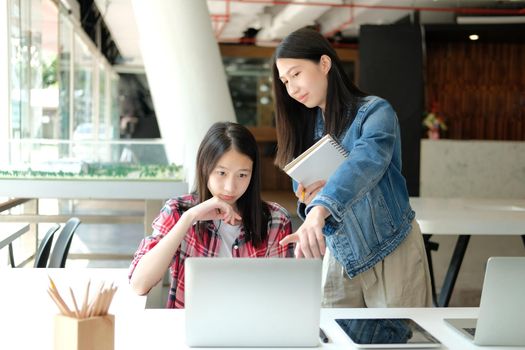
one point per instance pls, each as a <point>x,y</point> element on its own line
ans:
<point>220,138</point>
<point>294,121</point>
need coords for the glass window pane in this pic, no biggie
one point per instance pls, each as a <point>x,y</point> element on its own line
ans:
<point>83,93</point>
<point>64,76</point>
<point>19,69</point>
<point>103,118</point>
<point>114,106</point>
<point>33,69</point>
<point>44,92</point>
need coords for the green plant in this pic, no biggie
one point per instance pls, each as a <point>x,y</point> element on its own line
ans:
<point>49,73</point>
<point>434,122</point>
<point>104,171</point>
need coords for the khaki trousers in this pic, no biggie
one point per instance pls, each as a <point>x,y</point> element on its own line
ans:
<point>402,279</point>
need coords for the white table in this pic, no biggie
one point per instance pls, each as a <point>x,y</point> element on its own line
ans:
<point>27,313</point>
<point>465,217</point>
<point>8,233</point>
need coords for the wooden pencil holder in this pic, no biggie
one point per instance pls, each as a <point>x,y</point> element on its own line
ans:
<point>94,333</point>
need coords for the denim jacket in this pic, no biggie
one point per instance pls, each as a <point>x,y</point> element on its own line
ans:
<point>367,195</point>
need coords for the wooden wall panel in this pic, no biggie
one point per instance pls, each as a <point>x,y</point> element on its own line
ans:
<point>479,88</point>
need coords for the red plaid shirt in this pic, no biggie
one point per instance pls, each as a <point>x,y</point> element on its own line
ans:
<point>279,226</point>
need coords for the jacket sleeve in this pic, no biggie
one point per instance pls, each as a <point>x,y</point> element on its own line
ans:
<point>369,157</point>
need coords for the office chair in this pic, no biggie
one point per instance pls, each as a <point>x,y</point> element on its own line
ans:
<point>61,248</point>
<point>42,255</point>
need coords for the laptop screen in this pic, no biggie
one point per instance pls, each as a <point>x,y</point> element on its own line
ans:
<point>502,306</point>
<point>252,302</point>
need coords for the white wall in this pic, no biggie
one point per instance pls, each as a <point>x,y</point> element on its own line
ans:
<point>483,169</point>
<point>476,169</point>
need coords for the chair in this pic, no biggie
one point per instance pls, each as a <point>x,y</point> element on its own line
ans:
<point>61,249</point>
<point>44,248</point>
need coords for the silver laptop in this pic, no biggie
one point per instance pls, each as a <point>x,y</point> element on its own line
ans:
<point>501,316</point>
<point>252,302</point>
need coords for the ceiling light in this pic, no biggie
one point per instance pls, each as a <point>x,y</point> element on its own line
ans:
<point>473,37</point>
<point>490,19</point>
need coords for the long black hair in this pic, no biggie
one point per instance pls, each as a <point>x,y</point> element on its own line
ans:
<point>294,121</point>
<point>220,138</point>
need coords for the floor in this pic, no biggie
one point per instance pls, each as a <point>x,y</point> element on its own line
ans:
<point>114,244</point>
<point>106,240</point>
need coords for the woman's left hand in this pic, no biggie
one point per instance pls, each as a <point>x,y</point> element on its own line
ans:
<point>310,236</point>
<point>307,194</point>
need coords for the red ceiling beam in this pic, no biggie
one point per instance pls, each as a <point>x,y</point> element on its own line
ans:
<point>459,10</point>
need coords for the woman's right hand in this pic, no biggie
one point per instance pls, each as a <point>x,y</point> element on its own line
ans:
<point>214,209</point>
<point>307,194</point>
<point>309,236</point>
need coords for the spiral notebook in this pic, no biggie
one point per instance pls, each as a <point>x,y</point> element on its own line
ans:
<point>318,162</point>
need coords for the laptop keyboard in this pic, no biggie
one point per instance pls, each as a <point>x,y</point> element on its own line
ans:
<point>471,331</point>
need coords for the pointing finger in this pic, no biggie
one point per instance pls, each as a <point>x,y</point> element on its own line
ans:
<point>289,239</point>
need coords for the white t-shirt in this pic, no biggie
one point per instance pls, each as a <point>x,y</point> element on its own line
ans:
<point>228,233</point>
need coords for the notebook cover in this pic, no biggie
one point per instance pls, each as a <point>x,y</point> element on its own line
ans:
<point>318,162</point>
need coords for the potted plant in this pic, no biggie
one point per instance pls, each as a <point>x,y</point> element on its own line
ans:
<point>434,123</point>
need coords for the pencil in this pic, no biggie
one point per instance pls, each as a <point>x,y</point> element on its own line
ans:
<point>85,302</point>
<point>55,292</point>
<point>53,286</point>
<point>98,306</point>
<point>60,307</point>
<point>96,303</point>
<point>112,295</point>
<point>64,310</point>
<point>77,312</point>
<point>103,300</point>
<point>107,300</point>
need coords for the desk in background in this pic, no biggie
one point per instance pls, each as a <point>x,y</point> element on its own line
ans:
<point>27,313</point>
<point>466,217</point>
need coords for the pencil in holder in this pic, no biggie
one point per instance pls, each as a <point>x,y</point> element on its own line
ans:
<point>84,334</point>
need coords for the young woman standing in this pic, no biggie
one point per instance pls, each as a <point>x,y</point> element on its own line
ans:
<point>375,255</point>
